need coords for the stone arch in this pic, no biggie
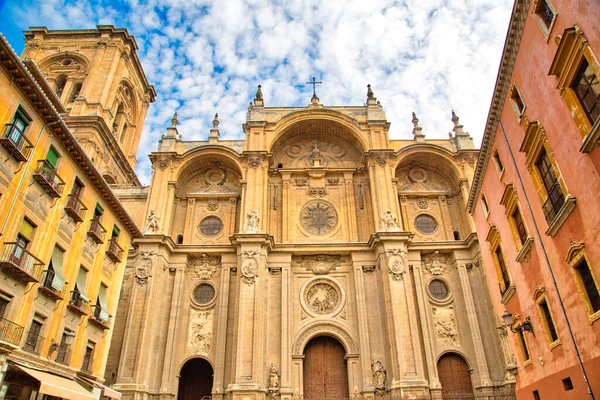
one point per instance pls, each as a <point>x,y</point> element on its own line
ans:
<point>81,68</point>
<point>188,358</point>
<point>343,124</point>
<point>458,353</point>
<point>197,159</point>
<point>323,329</point>
<point>429,155</point>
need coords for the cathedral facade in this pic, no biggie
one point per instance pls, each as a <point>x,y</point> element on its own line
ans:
<point>315,259</point>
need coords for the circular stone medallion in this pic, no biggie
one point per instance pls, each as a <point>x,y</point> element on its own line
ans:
<point>322,296</point>
<point>318,217</point>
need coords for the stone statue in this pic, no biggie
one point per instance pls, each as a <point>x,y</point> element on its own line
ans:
<point>390,222</point>
<point>273,376</point>
<point>379,375</point>
<point>152,226</point>
<point>253,221</point>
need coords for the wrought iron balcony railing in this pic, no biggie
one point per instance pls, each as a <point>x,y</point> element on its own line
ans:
<point>16,142</point>
<point>10,332</point>
<point>100,317</point>
<point>114,251</point>
<point>63,354</point>
<point>46,176</point>
<point>53,285</point>
<point>75,208</point>
<point>553,204</point>
<point>33,343</point>
<point>96,231</point>
<point>19,263</point>
<point>77,304</point>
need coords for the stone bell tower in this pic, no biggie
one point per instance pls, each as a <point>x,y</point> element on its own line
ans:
<point>97,75</point>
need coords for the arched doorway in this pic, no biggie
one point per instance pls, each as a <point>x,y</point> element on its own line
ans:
<point>196,380</point>
<point>454,376</point>
<point>325,371</point>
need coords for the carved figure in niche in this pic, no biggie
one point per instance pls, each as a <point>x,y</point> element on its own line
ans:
<point>435,263</point>
<point>322,298</point>
<point>201,332</point>
<point>152,225</point>
<point>445,325</point>
<point>379,375</point>
<point>273,376</point>
<point>316,154</point>
<point>390,223</point>
<point>253,223</point>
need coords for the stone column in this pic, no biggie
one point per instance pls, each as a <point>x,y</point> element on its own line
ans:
<point>255,189</point>
<point>285,206</point>
<point>286,331</point>
<point>350,206</point>
<point>365,384</point>
<point>220,330</point>
<point>188,227</point>
<point>383,196</point>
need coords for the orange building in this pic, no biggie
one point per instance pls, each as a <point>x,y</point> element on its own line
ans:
<point>535,197</point>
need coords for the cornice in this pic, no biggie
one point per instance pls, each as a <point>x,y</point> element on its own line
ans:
<point>507,64</point>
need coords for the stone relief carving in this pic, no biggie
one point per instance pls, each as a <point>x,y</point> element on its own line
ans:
<point>321,264</point>
<point>212,204</point>
<point>273,376</point>
<point>325,329</point>
<point>332,181</point>
<point>444,323</point>
<point>368,269</point>
<point>255,161</point>
<point>217,179</point>
<point>435,263</point>
<point>318,150</point>
<point>390,222</point>
<point>205,266</point>
<point>163,162</point>
<point>379,375</point>
<point>418,179</point>
<point>152,225</point>
<point>318,217</point>
<point>144,267</point>
<point>249,270</point>
<point>361,201</point>
<point>301,181</point>
<point>200,335</point>
<point>422,202</point>
<point>317,192</point>
<point>322,298</point>
<point>253,224</point>
<point>396,264</point>
<point>381,160</point>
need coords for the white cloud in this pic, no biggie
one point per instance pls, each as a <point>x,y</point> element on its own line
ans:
<point>207,56</point>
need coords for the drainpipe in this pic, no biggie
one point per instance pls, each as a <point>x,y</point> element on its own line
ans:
<point>22,180</point>
<point>539,237</point>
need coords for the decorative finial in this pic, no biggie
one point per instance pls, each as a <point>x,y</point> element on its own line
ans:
<point>454,118</point>
<point>174,120</point>
<point>214,132</point>
<point>216,122</point>
<point>259,92</point>
<point>415,120</point>
<point>314,84</point>
<point>370,93</point>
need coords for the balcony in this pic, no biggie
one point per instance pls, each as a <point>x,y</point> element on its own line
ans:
<point>10,332</point>
<point>63,354</point>
<point>46,176</point>
<point>100,317</point>
<point>19,263</point>
<point>96,231</point>
<point>53,285</point>
<point>114,251</point>
<point>77,304</point>
<point>75,208</point>
<point>33,343</point>
<point>16,143</point>
<point>555,201</point>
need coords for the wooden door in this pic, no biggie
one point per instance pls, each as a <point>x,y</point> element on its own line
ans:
<point>455,378</point>
<point>196,380</point>
<point>325,372</point>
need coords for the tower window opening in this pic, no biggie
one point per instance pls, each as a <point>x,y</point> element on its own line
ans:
<point>61,81</point>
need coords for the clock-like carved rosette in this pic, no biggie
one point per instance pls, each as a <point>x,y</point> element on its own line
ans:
<point>318,218</point>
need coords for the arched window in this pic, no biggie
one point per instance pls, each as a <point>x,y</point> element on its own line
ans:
<point>119,121</point>
<point>75,92</point>
<point>109,179</point>
<point>61,81</point>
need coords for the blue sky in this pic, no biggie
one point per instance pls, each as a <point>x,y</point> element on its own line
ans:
<point>203,56</point>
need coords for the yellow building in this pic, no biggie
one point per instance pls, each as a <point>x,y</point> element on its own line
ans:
<point>64,238</point>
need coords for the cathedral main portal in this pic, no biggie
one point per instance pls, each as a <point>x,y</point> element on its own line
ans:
<point>325,371</point>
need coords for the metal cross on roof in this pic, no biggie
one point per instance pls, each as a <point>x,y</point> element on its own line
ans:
<point>314,83</point>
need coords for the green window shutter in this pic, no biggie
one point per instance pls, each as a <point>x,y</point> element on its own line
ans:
<point>99,210</point>
<point>52,156</point>
<point>26,229</point>
<point>116,231</point>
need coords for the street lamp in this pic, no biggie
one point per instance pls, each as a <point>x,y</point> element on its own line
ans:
<point>525,325</point>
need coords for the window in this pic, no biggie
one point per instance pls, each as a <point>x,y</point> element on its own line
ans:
<point>567,384</point>
<point>536,395</point>
<point>210,226</point>
<point>96,230</point>
<point>587,89</point>
<point>498,163</point>
<point>79,292</point>
<point>54,274</point>
<point>544,15</point>
<point>204,294</point>
<point>484,205</point>
<point>4,301</point>
<point>88,359</point>
<point>75,92</point>
<point>34,340</point>
<point>20,122</point>
<point>546,317</point>
<point>505,285</point>
<point>518,220</point>
<point>22,241</point>
<point>438,289</point>
<point>585,280</point>
<point>523,346</point>
<point>517,101</point>
<point>577,70</point>
<point>101,308</point>
<point>14,138</point>
<point>60,83</point>
<point>63,353</point>
<point>555,198</point>
<point>426,224</point>
<point>523,240</point>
